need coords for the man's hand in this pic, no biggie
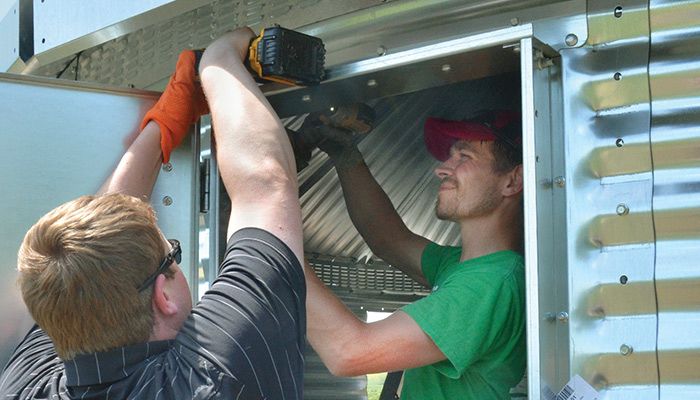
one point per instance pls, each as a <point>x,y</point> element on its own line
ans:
<point>180,105</point>
<point>338,143</point>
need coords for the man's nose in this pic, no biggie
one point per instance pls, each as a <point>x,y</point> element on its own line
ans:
<point>443,170</point>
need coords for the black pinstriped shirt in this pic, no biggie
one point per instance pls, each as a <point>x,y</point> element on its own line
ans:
<point>243,340</point>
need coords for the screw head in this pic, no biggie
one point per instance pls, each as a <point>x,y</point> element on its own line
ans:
<point>514,21</point>
<point>167,167</point>
<point>167,201</point>
<point>563,316</point>
<point>371,83</point>
<point>622,209</point>
<point>560,181</point>
<point>626,350</point>
<point>446,68</point>
<point>381,50</point>
<point>306,98</point>
<point>571,39</point>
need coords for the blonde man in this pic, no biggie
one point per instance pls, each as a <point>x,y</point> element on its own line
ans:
<point>105,288</point>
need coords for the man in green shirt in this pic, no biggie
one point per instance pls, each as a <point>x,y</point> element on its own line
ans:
<point>466,340</point>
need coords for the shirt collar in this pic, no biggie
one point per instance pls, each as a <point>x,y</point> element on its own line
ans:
<point>112,365</point>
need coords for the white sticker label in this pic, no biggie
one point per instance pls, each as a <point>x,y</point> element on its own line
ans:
<point>577,389</point>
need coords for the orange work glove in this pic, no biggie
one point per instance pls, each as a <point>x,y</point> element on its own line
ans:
<point>180,105</point>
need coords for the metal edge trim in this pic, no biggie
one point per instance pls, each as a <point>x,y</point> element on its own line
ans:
<point>530,219</point>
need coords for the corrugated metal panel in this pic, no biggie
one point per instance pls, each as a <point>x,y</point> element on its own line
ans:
<point>395,153</point>
<point>674,76</point>
<point>612,317</point>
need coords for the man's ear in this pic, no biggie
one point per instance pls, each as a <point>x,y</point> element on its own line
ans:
<point>161,300</point>
<point>513,182</point>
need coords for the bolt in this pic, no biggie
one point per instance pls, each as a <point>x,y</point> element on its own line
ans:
<point>167,167</point>
<point>446,68</point>
<point>514,21</point>
<point>622,209</point>
<point>306,98</point>
<point>167,201</point>
<point>371,83</point>
<point>560,181</point>
<point>563,317</point>
<point>571,39</point>
<point>626,350</point>
<point>381,50</point>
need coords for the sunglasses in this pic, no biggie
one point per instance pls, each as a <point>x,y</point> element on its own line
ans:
<point>174,255</point>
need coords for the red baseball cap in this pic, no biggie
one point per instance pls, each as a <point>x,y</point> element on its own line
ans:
<point>441,134</point>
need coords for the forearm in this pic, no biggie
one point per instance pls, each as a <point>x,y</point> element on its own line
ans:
<point>332,329</point>
<point>377,221</point>
<point>136,173</point>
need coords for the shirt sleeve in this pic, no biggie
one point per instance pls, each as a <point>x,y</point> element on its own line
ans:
<point>252,321</point>
<point>435,258</point>
<point>463,317</point>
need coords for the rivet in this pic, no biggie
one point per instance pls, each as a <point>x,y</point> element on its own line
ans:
<point>560,181</point>
<point>626,350</point>
<point>446,68</point>
<point>571,39</point>
<point>622,209</point>
<point>514,21</point>
<point>371,83</point>
<point>381,50</point>
<point>619,142</point>
<point>563,317</point>
<point>167,167</point>
<point>617,76</point>
<point>167,201</point>
<point>618,12</point>
<point>306,98</point>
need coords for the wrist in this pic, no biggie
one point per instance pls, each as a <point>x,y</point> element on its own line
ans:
<point>347,159</point>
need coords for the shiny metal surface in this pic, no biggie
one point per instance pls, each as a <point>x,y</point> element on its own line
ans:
<point>352,30</point>
<point>54,153</point>
<point>9,37</point>
<point>141,51</point>
<point>674,78</point>
<point>71,26</point>
<point>438,64</point>
<point>544,213</point>
<point>608,163</point>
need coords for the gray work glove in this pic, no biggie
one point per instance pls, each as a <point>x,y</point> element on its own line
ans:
<point>338,143</point>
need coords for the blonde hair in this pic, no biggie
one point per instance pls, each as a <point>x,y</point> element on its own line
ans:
<point>79,269</point>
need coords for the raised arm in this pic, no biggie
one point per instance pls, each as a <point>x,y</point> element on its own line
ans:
<point>163,128</point>
<point>370,209</point>
<point>253,152</point>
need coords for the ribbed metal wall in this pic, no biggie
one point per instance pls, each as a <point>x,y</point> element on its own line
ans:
<point>674,77</point>
<point>609,183</point>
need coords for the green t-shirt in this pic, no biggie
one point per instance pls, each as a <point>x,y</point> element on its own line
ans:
<point>476,316</point>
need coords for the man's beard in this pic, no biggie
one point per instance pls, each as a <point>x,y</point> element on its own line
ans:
<point>455,213</point>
